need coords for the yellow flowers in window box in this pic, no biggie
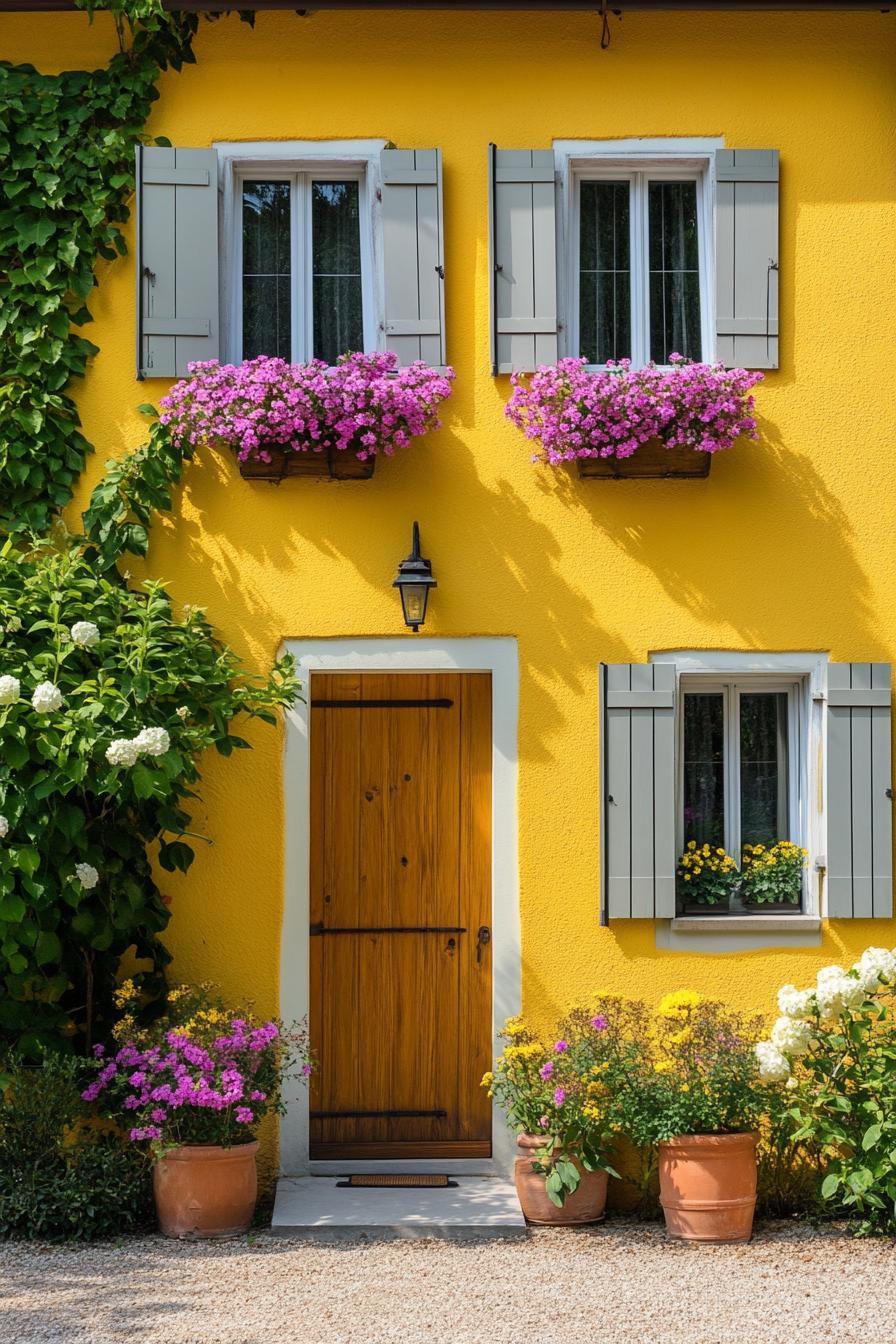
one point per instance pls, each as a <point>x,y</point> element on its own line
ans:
<point>773,874</point>
<point>768,874</point>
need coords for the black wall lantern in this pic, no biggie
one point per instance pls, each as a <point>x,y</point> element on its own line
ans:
<point>414,582</point>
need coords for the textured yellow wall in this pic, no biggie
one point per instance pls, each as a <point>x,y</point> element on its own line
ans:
<point>787,545</point>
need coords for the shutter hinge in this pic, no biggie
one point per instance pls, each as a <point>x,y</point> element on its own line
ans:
<point>440,272</point>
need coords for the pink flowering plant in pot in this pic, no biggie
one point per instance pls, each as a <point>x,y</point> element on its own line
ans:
<point>576,413</point>
<point>561,1119</point>
<point>200,1074</point>
<point>364,405</point>
<point>195,1085</point>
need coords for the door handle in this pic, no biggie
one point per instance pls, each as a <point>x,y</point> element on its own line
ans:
<point>483,937</point>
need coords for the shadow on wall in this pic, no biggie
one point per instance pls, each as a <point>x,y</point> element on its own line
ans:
<point>258,558</point>
<point>761,545</point>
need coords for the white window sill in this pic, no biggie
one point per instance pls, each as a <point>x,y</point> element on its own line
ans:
<point>710,935</point>
<point>745,923</point>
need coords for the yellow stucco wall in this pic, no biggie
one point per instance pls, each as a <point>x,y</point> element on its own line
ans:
<point>788,544</point>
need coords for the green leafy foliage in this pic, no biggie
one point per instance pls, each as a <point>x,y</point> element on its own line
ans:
<point>66,804</point>
<point>67,154</point>
<point>61,1177</point>
<point>839,1102</point>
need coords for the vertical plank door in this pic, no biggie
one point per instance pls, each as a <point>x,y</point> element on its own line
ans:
<point>400,1014</point>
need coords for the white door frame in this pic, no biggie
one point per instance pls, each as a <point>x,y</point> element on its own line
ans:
<point>407,654</point>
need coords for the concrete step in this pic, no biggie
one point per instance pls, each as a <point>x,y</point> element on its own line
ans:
<point>317,1207</point>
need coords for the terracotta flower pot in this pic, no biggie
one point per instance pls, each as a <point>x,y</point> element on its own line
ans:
<point>708,1186</point>
<point>585,1206</point>
<point>203,1190</point>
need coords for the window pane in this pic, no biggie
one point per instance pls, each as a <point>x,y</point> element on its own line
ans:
<point>674,271</point>
<point>605,318</point>
<point>266,269</point>
<point>763,768</point>
<point>336,269</point>
<point>704,769</point>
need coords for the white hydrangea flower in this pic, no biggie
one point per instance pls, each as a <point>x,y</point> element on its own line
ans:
<point>182,712</point>
<point>773,1067</point>
<point>10,689</point>
<point>875,964</point>
<point>85,633</point>
<point>791,1036</point>
<point>123,751</point>
<point>87,875</point>
<point>4,827</point>
<point>796,1003</point>
<point>47,698</point>
<point>152,741</point>
<point>836,991</point>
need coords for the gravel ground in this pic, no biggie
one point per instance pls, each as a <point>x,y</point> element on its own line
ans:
<point>621,1282</point>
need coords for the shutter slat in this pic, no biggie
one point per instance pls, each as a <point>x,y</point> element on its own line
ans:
<point>523,258</point>
<point>859,808</point>
<point>177,259</point>
<point>747,192</point>
<point>638,723</point>
<point>414,257</point>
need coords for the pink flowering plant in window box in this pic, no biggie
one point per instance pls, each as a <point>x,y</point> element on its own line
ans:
<point>576,413</point>
<point>201,1074</point>
<point>364,406</point>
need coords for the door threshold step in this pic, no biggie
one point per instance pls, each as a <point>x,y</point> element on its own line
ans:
<point>323,1208</point>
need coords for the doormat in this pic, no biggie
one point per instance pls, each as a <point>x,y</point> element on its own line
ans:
<point>390,1182</point>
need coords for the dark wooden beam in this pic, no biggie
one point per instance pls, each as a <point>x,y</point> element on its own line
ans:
<point>617,6</point>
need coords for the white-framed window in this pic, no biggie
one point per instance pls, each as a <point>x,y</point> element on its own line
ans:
<point>749,762</point>
<point>300,235</point>
<point>636,272</point>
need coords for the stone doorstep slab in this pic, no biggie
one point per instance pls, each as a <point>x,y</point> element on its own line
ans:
<point>316,1207</point>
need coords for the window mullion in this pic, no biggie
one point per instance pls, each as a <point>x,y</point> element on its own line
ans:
<point>640,275</point>
<point>732,752</point>
<point>297,243</point>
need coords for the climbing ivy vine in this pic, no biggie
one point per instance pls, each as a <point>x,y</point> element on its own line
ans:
<point>107,697</point>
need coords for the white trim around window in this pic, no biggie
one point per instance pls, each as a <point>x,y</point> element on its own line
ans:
<point>299,162</point>
<point>804,676</point>
<point>638,161</point>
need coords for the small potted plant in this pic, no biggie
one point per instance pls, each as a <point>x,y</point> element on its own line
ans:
<point>560,1118</point>
<point>693,1090</point>
<point>772,875</point>
<point>311,419</point>
<point>621,422</point>
<point>194,1086</point>
<point>705,876</point>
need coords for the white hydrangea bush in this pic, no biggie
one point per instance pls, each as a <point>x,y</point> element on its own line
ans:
<point>831,1060</point>
<point>108,699</point>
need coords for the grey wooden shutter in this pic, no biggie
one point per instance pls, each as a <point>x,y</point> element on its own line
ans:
<point>859,802</point>
<point>747,257</point>
<point>523,258</point>
<point>638,791</point>
<point>414,254</point>
<point>177,259</point>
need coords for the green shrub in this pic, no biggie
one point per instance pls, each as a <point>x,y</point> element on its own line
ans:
<point>61,1177</point>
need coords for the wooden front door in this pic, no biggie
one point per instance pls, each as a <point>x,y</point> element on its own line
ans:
<point>401,994</point>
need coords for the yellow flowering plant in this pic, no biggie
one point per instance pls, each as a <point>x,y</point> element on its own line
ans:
<point>692,1070</point>
<point>706,874</point>
<point>543,1090</point>
<point>773,874</point>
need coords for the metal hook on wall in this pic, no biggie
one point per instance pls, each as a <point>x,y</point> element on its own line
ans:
<point>605,33</point>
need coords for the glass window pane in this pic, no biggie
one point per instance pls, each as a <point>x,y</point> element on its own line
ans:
<point>763,768</point>
<point>674,271</point>
<point>266,269</point>
<point>605,319</point>
<point>336,269</point>
<point>704,769</point>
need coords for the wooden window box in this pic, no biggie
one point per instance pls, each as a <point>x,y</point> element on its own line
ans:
<point>650,462</point>
<point>332,465</point>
